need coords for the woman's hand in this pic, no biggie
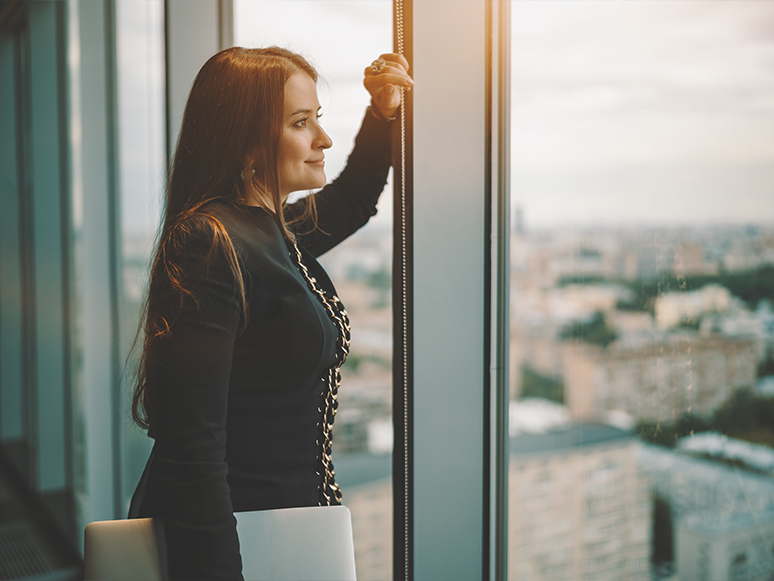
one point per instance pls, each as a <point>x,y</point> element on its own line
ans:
<point>384,78</point>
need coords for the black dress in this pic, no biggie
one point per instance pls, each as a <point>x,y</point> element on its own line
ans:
<point>240,412</point>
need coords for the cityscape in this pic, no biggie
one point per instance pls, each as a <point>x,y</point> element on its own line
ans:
<point>641,363</point>
<point>642,402</point>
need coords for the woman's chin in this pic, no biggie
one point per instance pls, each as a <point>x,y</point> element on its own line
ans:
<point>319,183</point>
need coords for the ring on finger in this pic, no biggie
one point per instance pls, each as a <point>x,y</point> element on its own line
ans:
<point>378,65</point>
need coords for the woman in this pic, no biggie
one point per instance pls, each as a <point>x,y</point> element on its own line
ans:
<point>244,333</point>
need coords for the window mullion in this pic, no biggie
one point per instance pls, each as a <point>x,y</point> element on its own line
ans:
<point>451,325</point>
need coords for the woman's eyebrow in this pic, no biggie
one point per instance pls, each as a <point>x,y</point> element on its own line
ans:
<point>303,111</point>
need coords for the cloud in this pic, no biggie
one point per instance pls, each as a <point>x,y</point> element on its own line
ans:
<point>679,90</point>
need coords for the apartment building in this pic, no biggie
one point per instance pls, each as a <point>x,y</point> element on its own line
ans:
<point>657,379</point>
<point>578,507</point>
<point>722,517</point>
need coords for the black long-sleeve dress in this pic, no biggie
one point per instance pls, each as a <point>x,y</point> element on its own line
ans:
<point>241,422</point>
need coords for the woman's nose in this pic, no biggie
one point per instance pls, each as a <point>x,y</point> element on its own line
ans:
<point>323,140</point>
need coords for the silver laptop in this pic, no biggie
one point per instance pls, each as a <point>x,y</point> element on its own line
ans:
<point>291,544</point>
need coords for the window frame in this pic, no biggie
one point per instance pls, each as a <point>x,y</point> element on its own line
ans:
<point>450,358</point>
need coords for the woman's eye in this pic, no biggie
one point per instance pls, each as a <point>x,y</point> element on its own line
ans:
<point>303,123</point>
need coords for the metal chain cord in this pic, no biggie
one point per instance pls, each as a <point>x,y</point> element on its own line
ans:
<point>335,310</point>
<point>399,36</point>
<point>399,8</point>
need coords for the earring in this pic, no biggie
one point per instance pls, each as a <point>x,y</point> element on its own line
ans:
<point>243,174</point>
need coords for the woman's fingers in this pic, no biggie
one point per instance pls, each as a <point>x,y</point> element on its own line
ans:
<point>396,58</point>
<point>376,81</point>
<point>387,69</point>
<point>391,63</point>
<point>386,66</point>
<point>384,78</point>
<point>390,72</point>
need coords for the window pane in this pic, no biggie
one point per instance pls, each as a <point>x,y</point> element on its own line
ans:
<point>642,274</point>
<point>340,39</point>
<point>140,71</point>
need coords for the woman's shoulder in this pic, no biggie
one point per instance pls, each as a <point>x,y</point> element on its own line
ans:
<point>254,232</point>
<point>221,229</point>
<point>241,221</point>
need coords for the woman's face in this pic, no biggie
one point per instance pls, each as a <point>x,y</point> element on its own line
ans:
<point>300,156</point>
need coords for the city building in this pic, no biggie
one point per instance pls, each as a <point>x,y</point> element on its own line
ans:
<point>722,518</point>
<point>658,378</point>
<point>749,253</point>
<point>578,507</point>
<point>738,549</point>
<point>690,260</point>
<point>538,316</point>
<point>674,308</point>
<point>757,324</point>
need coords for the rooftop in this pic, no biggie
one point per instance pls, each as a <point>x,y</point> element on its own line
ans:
<point>567,437</point>
<point>708,524</point>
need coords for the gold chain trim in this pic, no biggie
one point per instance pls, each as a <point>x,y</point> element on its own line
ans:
<point>335,309</point>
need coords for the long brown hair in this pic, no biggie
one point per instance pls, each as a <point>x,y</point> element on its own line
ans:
<point>227,149</point>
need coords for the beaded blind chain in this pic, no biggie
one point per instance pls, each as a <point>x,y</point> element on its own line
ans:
<point>335,310</point>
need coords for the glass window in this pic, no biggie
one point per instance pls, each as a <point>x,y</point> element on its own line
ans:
<point>142,175</point>
<point>643,263</point>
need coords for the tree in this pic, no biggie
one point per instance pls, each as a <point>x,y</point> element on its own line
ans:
<point>594,331</point>
<point>534,384</point>
<point>658,433</point>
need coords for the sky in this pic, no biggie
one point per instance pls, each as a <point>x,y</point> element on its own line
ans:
<point>624,112</point>
<point>641,112</point>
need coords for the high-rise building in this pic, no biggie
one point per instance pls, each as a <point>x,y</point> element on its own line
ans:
<point>578,507</point>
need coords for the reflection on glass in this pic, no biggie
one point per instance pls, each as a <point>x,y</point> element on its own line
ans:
<point>340,39</point>
<point>140,71</point>
<point>642,341</point>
